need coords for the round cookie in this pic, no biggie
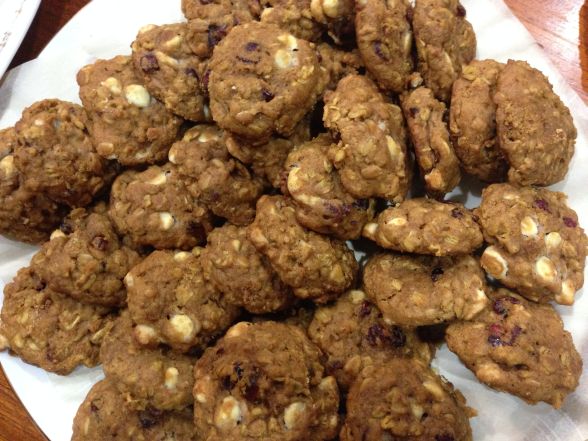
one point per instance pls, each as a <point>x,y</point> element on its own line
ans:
<point>87,262</point>
<point>293,16</point>
<point>154,208</point>
<point>55,155</point>
<point>403,399</point>
<point>535,129</point>
<point>25,215</point>
<point>445,42</point>
<point>126,122</point>
<point>169,69</point>
<point>353,335</point>
<point>430,138</point>
<point>105,414</point>
<point>317,267</point>
<point>519,347</point>
<point>150,377</point>
<point>171,302</point>
<point>426,226</point>
<point>216,179</point>
<point>336,63</point>
<point>384,39</point>
<point>424,290</point>
<point>472,121</point>
<point>263,80</point>
<point>264,381</point>
<point>536,244</point>
<point>371,155</point>
<point>237,269</point>
<point>322,204</point>
<point>48,329</point>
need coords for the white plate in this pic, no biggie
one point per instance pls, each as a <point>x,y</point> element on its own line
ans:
<point>15,18</point>
<point>98,32</point>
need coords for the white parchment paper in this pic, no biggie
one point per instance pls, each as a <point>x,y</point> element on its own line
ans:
<point>107,27</point>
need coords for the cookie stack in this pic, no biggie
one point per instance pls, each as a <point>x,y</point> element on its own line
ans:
<point>199,213</point>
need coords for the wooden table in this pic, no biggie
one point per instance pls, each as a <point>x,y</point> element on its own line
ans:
<point>560,27</point>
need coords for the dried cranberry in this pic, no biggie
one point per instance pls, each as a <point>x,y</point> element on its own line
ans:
<point>215,34</point>
<point>93,407</point>
<point>267,95</point>
<point>365,309</point>
<point>397,337</point>
<point>251,46</point>
<point>409,14</point>
<point>496,329</point>
<point>100,243</point>
<point>205,79</point>
<point>149,417</point>
<point>191,73</point>
<point>378,50</point>
<point>516,331</point>
<point>569,222</point>
<point>499,307</point>
<point>456,213</point>
<point>444,437</point>
<point>542,204</point>
<point>461,12</point>
<point>375,332</point>
<point>149,63</point>
<point>413,111</point>
<point>494,340</point>
<point>436,274</point>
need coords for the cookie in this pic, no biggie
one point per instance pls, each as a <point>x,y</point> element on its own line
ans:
<point>352,334</point>
<point>317,267</point>
<point>171,302</point>
<point>154,208</point>
<point>403,399</point>
<point>472,121</point>
<point>424,290</point>
<point>445,42</point>
<point>216,179</point>
<point>535,129</point>
<point>519,347</point>
<point>425,226</point>
<point>264,381</point>
<point>106,414</point>
<point>126,122</point>
<point>149,377</point>
<point>235,267</point>
<point>166,64</point>
<point>263,80</point>
<point>536,246</point>
<point>25,215</point>
<point>293,16</point>
<point>87,262</point>
<point>371,155</point>
<point>384,39</point>
<point>425,117</point>
<point>322,204</point>
<point>336,63</point>
<point>55,155</point>
<point>48,329</point>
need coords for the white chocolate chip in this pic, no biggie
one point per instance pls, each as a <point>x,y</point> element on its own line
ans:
<point>174,42</point>
<point>397,221</point>
<point>237,330</point>
<point>293,413</point>
<point>236,245</point>
<point>201,398</point>
<point>163,58</point>
<point>566,297</point>
<point>529,227</point>
<point>417,411</point>
<point>290,41</point>
<point>181,256</point>
<point>137,95</point>
<point>113,85</point>
<point>228,414</point>
<point>7,166</point>
<point>285,59</point>
<point>433,387</point>
<point>145,335</point>
<point>202,388</point>
<point>494,263</point>
<point>370,229</point>
<point>184,327</point>
<point>357,296</point>
<point>207,136</point>
<point>171,378</point>
<point>488,372</point>
<point>393,147</point>
<point>553,239</point>
<point>166,220</point>
<point>56,234</point>
<point>545,268</point>
<point>129,280</point>
<point>331,8</point>
<point>159,179</point>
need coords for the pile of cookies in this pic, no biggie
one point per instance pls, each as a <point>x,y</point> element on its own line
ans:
<point>197,215</point>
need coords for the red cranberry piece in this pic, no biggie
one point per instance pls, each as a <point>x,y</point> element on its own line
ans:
<point>375,332</point>
<point>365,309</point>
<point>251,46</point>
<point>494,340</point>
<point>516,331</point>
<point>456,213</point>
<point>100,243</point>
<point>569,222</point>
<point>461,12</point>
<point>191,73</point>
<point>267,95</point>
<point>413,111</point>
<point>496,329</point>
<point>215,34</point>
<point>378,50</point>
<point>499,307</point>
<point>205,79</point>
<point>149,63</point>
<point>542,204</point>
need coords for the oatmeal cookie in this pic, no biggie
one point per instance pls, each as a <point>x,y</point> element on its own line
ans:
<point>154,208</point>
<point>105,414</point>
<point>472,121</point>
<point>171,302</point>
<point>48,329</point>
<point>384,39</point>
<point>263,80</point>
<point>169,69</point>
<point>371,155</point>
<point>425,117</point>
<point>148,377</point>
<point>237,269</point>
<point>424,290</point>
<point>403,399</point>
<point>352,334</point>
<point>126,122</point>
<point>317,267</point>
<point>519,347</point>
<point>536,246</point>
<point>535,128</point>
<point>336,63</point>
<point>25,215</point>
<point>216,179</point>
<point>88,262</point>
<point>322,204</point>
<point>445,42</point>
<point>55,155</point>
<point>264,381</point>
<point>425,226</point>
